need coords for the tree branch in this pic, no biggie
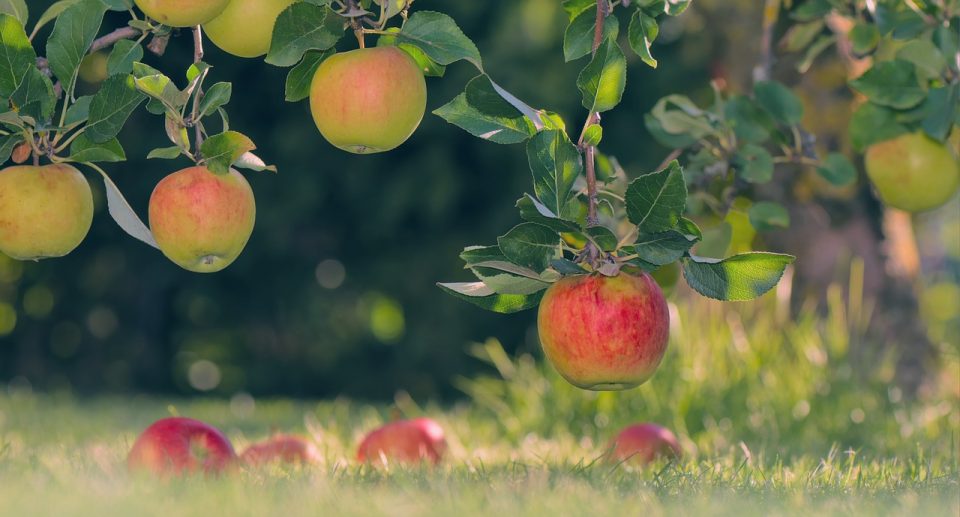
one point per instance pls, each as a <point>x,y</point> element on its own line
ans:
<point>771,14</point>
<point>198,95</point>
<point>603,10</point>
<point>115,36</point>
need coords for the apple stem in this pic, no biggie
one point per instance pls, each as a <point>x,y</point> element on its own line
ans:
<point>195,113</point>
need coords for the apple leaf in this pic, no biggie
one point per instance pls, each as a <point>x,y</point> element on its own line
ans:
<point>16,54</point>
<point>300,77</point>
<point>532,210</point>
<point>661,248</point>
<point>578,37</point>
<point>603,237</point>
<point>779,101</point>
<point>482,112</point>
<point>165,153</point>
<point>112,106</point>
<point>84,149</point>
<point>121,212</point>
<point>555,163</point>
<point>74,31</point>
<point>891,83</point>
<point>643,30</point>
<point>530,245</point>
<point>872,123</point>
<point>34,96</point>
<point>439,37</point>
<point>767,215</point>
<point>484,297</point>
<point>302,27</point>
<point>603,80</point>
<point>656,201</point>
<point>738,278</point>
<point>838,170</point>
<point>754,164</point>
<point>253,162</point>
<point>17,9</point>
<point>124,54</point>
<point>223,150</point>
<point>216,97</point>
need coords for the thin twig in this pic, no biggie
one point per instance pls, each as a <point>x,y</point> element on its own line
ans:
<point>198,95</point>
<point>771,13</point>
<point>603,9</point>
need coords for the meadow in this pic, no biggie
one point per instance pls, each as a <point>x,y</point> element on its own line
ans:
<point>778,414</point>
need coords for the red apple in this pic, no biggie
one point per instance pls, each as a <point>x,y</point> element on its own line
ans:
<point>181,445</point>
<point>604,333</point>
<point>404,441</point>
<point>281,448</point>
<point>643,443</point>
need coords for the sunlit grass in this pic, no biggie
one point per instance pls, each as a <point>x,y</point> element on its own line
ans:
<point>776,415</point>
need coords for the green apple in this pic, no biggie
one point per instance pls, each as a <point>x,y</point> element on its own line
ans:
<point>245,27</point>
<point>604,333</point>
<point>45,211</point>
<point>913,172</point>
<point>182,13</point>
<point>201,220</point>
<point>368,100</point>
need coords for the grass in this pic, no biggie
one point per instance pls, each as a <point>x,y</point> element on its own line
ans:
<point>777,416</point>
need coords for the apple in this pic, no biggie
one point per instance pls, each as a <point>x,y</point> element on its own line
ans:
<point>182,13</point>
<point>404,441</point>
<point>181,445</point>
<point>368,100</point>
<point>283,449</point>
<point>202,220</point>
<point>913,172</point>
<point>45,211</point>
<point>604,333</point>
<point>643,443</point>
<point>245,27</point>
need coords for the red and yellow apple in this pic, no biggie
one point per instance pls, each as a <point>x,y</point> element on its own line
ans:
<point>245,27</point>
<point>643,443</point>
<point>202,220</point>
<point>281,449</point>
<point>604,333</point>
<point>181,445</point>
<point>368,100</point>
<point>913,172</point>
<point>404,441</point>
<point>182,13</point>
<point>45,211</point>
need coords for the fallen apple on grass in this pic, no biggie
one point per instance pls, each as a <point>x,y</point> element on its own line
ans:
<point>368,100</point>
<point>45,211</point>
<point>201,220</point>
<point>181,445</point>
<point>182,13</point>
<point>405,441</point>
<point>641,444</point>
<point>604,333</point>
<point>281,449</point>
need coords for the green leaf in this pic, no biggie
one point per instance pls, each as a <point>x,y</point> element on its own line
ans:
<point>532,210</point>
<point>72,35</point>
<point>755,164</point>
<point>872,123</point>
<point>661,248</point>
<point>603,80</point>
<point>121,212</point>
<point>838,170</point>
<point>678,115</point>
<point>507,278</point>
<point>766,216</point>
<point>822,43</point>
<point>439,37</point>
<point>642,32</point>
<point>51,13</point>
<point>530,245</point>
<point>215,98</point>
<point>891,83</point>
<point>302,27</point>
<point>656,201</point>
<point>864,36</point>
<point>801,35</point>
<point>676,7</point>
<point>482,112</point>
<point>221,151</point>
<point>575,7</point>
<point>34,97</point>
<point>124,54</point>
<point>738,278</point>
<point>83,149</point>
<point>7,144</point>
<point>555,163</point>
<point>593,135</point>
<point>482,296</point>
<point>112,106</point>
<point>925,56</point>
<point>17,9</point>
<point>603,237</point>
<point>811,9</point>
<point>749,122</point>
<point>779,101</point>
<point>429,67</point>
<point>79,111</point>
<point>300,77</point>
<point>941,109</point>
<point>165,153</point>
<point>578,38</point>
<point>16,54</point>
<point>161,88</point>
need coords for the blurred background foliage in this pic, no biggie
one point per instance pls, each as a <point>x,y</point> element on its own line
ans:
<point>335,292</point>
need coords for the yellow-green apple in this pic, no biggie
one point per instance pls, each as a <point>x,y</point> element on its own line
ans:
<point>245,27</point>
<point>913,172</point>
<point>182,13</point>
<point>604,333</point>
<point>404,441</point>
<point>643,443</point>
<point>202,220</point>
<point>368,100</point>
<point>281,449</point>
<point>181,445</point>
<point>45,211</point>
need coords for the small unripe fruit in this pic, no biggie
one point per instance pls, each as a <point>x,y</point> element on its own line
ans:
<point>604,333</point>
<point>182,13</point>
<point>45,211</point>
<point>404,441</point>
<point>368,100</point>
<point>913,172</point>
<point>181,445</point>
<point>643,443</point>
<point>245,27</point>
<point>201,220</point>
